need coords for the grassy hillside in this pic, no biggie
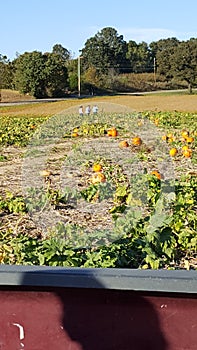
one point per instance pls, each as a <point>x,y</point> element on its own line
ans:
<point>13,96</point>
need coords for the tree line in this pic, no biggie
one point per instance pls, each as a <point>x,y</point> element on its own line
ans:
<point>105,58</point>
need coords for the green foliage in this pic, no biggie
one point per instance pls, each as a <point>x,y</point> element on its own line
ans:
<point>55,75</point>
<point>72,66</point>
<point>162,50</point>
<point>62,52</point>
<point>12,204</point>
<point>29,75</point>
<point>18,131</point>
<point>139,57</point>
<point>183,62</point>
<point>6,73</point>
<point>106,50</point>
<point>39,198</point>
<point>73,81</point>
<point>159,239</point>
<point>174,120</point>
<point>39,74</point>
<point>3,158</point>
<point>184,219</point>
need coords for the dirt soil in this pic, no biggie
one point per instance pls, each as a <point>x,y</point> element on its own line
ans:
<point>11,179</point>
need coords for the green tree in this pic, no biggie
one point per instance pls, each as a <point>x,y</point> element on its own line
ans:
<point>162,51</point>
<point>132,55</point>
<point>40,74</point>
<point>72,74</point>
<point>55,75</point>
<point>62,52</point>
<point>3,61</point>
<point>105,51</point>
<point>30,74</point>
<point>2,69</point>
<point>184,62</point>
<point>139,57</point>
<point>6,73</point>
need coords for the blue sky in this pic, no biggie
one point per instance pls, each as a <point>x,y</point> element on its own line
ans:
<point>40,24</point>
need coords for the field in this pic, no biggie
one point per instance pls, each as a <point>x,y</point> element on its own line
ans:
<point>150,102</point>
<point>113,190</point>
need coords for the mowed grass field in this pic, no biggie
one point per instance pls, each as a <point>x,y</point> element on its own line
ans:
<point>139,103</point>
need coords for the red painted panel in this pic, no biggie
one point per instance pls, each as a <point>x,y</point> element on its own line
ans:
<point>178,321</point>
<point>33,321</point>
<point>91,319</point>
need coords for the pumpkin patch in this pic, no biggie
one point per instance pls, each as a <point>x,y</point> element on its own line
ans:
<point>122,190</point>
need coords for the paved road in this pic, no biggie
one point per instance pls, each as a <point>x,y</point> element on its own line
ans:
<point>43,100</point>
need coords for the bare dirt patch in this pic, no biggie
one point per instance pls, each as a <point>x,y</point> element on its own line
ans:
<point>11,179</point>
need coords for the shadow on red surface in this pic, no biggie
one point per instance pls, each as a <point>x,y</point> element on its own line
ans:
<point>76,309</point>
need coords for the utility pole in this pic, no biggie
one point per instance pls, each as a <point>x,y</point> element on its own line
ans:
<point>154,67</point>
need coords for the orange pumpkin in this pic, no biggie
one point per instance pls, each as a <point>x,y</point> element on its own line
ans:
<point>185,133</point>
<point>189,139</point>
<point>112,132</point>
<point>98,177</point>
<point>75,134</point>
<point>187,153</point>
<point>136,141</point>
<point>157,174</point>
<point>123,144</point>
